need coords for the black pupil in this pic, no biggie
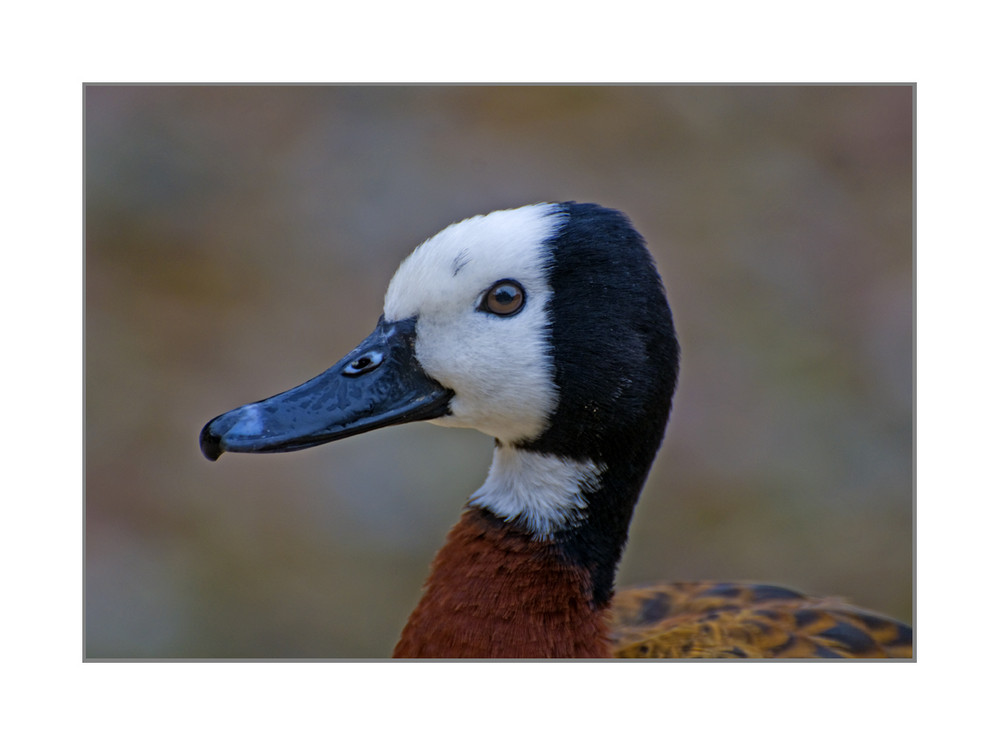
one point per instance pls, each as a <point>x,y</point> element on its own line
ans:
<point>506,296</point>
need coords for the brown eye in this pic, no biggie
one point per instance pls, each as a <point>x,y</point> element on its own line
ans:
<point>505,298</point>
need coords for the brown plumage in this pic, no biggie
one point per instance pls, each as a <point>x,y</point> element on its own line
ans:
<point>497,593</point>
<point>748,620</point>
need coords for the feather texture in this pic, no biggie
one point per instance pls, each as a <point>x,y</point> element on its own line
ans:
<point>748,620</point>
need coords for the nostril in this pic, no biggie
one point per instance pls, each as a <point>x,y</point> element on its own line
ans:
<point>363,363</point>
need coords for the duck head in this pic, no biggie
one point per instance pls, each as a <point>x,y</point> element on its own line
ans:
<point>545,327</point>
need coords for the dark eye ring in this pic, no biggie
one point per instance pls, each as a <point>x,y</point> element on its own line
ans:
<point>504,298</point>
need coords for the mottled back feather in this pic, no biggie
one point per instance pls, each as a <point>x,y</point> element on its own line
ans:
<point>747,620</point>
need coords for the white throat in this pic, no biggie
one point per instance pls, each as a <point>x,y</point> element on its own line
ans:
<point>545,492</point>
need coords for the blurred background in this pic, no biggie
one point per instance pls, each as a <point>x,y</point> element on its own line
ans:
<point>239,241</point>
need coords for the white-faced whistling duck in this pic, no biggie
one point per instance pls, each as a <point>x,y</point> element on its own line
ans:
<point>546,327</point>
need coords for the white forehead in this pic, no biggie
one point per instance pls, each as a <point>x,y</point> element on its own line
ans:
<point>454,267</point>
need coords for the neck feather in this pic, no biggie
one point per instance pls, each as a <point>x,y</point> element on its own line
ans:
<point>497,592</point>
<point>538,492</point>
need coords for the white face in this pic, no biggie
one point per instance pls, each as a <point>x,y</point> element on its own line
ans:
<point>500,367</point>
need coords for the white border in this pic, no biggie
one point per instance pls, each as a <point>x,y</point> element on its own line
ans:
<point>51,50</point>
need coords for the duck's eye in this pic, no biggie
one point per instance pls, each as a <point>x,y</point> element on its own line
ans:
<point>504,298</point>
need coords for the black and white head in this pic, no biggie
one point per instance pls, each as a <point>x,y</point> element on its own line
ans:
<point>545,327</point>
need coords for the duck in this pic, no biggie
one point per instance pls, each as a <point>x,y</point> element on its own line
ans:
<point>546,327</point>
